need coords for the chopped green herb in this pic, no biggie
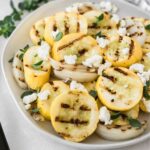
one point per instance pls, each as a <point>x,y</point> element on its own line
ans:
<point>35,55</point>
<point>59,36</point>
<point>98,19</point>
<point>147,27</point>
<point>8,24</point>
<point>37,65</point>
<point>146,90</point>
<point>99,34</point>
<point>21,56</point>
<point>23,52</point>
<point>35,110</point>
<point>115,115</point>
<point>134,123</point>
<point>11,60</point>
<point>26,93</point>
<point>93,93</point>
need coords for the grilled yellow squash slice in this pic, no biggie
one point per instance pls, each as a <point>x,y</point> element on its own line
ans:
<point>37,31</point>
<point>35,77</point>
<point>74,115</point>
<point>66,23</point>
<point>119,89</point>
<point>78,44</point>
<point>55,88</point>
<point>123,52</point>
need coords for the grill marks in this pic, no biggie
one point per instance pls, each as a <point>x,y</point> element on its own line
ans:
<point>82,52</point>
<point>84,108</point>
<point>84,9</point>
<point>71,42</point>
<point>131,48</point>
<point>67,26</point>
<point>110,91</point>
<point>109,77</point>
<point>121,71</point>
<point>72,121</point>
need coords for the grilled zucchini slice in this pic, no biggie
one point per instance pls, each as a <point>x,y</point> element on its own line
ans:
<point>35,78</point>
<point>74,115</point>
<point>119,89</point>
<point>123,52</point>
<point>55,88</point>
<point>78,44</point>
<point>65,23</point>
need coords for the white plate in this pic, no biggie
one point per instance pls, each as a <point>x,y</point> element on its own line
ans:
<point>20,38</point>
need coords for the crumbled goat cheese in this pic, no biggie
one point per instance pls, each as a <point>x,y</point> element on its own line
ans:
<point>54,33</point>
<point>137,68</point>
<point>44,95</point>
<point>104,115</point>
<point>107,6</point>
<point>38,117</point>
<point>70,59</point>
<point>115,18</point>
<point>30,98</point>
<point>28,106</point>
<point>123,23</point>
<point>44,50</point>
<point>93,61</point>
<point>129,22</point>
<point>125,51</point>
<point>102,42</point>
<point>148,55</point>
<point>122,31</point>
<point>103,67</point>
<point>74,85</point>
<point>144,76</point>
<point>146,104</point>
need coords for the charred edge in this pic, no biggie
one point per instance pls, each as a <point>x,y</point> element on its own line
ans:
<point>121,71</point>
<point>131,48</point>
<point>71,121</point>
<point>129,27</point>
<point>82,52</point>
<point>71,43</point>
<point>64,134</point>
<point>27,65</point>
<point>110,91</point>
<point>84,108</point>
<point>117,54</point>
<point>86,9</point>
<point>55,88</point>
<point>111,78</point>
<point>136,33</point>
<point>65,106</point>
<point>66,25</point>
<point>22,80</point>
<point>147,42</point>
<point>51,82</point>
<point>19,68</point>
<point>54,26</point>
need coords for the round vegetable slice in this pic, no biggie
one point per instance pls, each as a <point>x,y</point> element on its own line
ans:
<point>74,115</point>
<point>119,89</point>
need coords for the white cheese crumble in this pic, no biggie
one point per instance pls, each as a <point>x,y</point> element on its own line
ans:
<point>125,51</point>
<point>122,31</point>
<point>30,98</point>
<point>148,55</point>
<point>115,18</point>
<point>107,6</point>
<point>28,106</point>
<point>44,95</point>
<point>93,61</point>
<point>139,68</point>
<point>144,76</point>
<point>146,104</point>
<point>123,23</point>
<point>102,42</point>
<point>104,115</point>
<point>74,85</point>
<point>54,33</point>
<point>70,59</point>
<point>103,67</point>
<point>44,51</point>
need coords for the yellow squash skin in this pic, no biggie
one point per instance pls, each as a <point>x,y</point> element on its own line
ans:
<point>66,23</point>
<point>117,59</point>
<point>55,88</point>
<point>73,44</point>
<point>79,110</point>
<point>112,90</point>
<point>35,79</point>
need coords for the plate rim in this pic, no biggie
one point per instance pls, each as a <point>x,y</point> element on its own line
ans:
<point>53,137</point>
